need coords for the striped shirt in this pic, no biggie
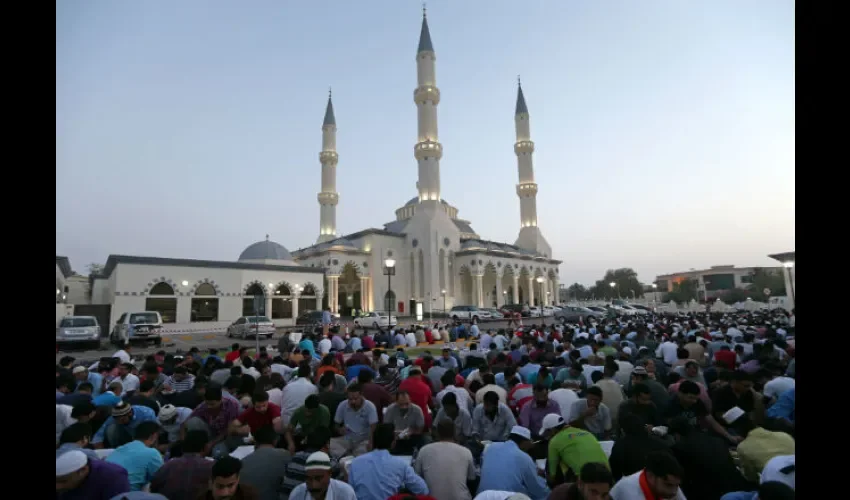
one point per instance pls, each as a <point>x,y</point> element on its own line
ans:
<point>181,385</point>
<point>294,474</point>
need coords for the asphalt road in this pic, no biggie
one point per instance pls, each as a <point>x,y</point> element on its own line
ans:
<point>174,343</point>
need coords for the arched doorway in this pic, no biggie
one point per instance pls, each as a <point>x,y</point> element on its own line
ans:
<point>162,299</point>
<point>204,304</point>
<point>307,302</point>
<point>254,290</point>
<point>282,302</point>
<point>349,289</point>
<point>508,284</point>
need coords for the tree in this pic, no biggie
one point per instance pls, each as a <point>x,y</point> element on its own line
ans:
<point>577,291</point>
<point>626,285</point>
<point>766,278</point>
<point>684,291</point>
<point>734,295</point>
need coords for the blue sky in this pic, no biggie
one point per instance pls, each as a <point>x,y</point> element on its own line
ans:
<point>664,129</point>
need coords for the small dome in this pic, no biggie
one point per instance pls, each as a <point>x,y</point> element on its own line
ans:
<point>265,250</point>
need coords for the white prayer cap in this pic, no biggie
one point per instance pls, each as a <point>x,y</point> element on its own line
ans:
<point>521,431</point>
<point>780,468</point>
<point>318,461</point>
<point>79,369</point>
<point>70,461</point>
<point>627,350</point>
<point>518,496</point>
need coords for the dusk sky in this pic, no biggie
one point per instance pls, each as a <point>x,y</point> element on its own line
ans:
<point>664,129</point>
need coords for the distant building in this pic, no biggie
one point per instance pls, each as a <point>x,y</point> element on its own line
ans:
<point>715,280</point>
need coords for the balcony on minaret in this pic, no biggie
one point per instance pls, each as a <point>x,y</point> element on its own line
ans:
<point>328,157</point>
<point>328,198</point>
<point>428,149</point>
<point>526,189</point>
<point>424,93</point>
<point>524,147</point>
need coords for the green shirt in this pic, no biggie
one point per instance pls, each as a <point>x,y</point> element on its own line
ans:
<point>571,448</point>
<point>321,418</point>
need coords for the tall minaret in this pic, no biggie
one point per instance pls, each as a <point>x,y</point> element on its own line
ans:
<point>428,150</point>
<point>529,234</point>
<point>328,197</point>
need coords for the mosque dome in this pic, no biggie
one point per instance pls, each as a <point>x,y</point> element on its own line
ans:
<point>265,250</point>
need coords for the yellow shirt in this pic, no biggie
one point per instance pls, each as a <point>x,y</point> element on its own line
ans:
<point>760,446</point>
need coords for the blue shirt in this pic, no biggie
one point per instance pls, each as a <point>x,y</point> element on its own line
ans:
<point>377,475</point>
<point>326,317</point>
<point>140,462</point>
<point>352,372</point>
<point>741,495</point>
<point>106,399</point>
<point>504,467</point>
<point>95,379</point>
<point>140,414</point>
<point>784,407</point>
<point>355,344</point>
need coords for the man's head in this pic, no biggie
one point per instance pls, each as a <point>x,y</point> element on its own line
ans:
<point>181,373</point>
<point>450,405</point>
<point>122,413</point>
<point>83,411</point>
<point>491,402</point>
<point>317,473</point>
<point>663,474</point>
<point>384,436</point>
<point>147,432</point>
<point>552,423</point>
<point>311,405</point>
<point>522,437</point>
<point>354,393</point>
<point>225,478</point>
<point>593,396</point>
<point>261,401</point>
<point>80,373</point>
<point>541,395</point>
<point>212,397</point>
<point>688,393</point>
<point>595,481</point>
<point>402,400</point>
<point>146,387</point>
<point>124,369</point>
<point>742,382</point>
<point>266,436</point>
<point>691,369</point>
<point>641,394</point>
<point>72,468</point>
<point>78,433</point>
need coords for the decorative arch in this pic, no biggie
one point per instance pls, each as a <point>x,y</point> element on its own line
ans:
<point>309,290</point>
<point>205,281</point>
<point>156,281</point>
<point>252,287</point>
<point>206,290</point>
<point>351,265</point>
<point>282,289</point>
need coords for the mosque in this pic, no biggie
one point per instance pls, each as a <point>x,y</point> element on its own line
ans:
<point>427,255</point>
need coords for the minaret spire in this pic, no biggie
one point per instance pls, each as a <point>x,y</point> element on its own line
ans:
<point>328,197</point>
<point>530,237</point>
<point>428,149</point>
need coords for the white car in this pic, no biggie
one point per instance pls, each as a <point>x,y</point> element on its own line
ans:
<point>534,312</point>
<point>376,320</point>
<point>626,310</point>
<point>469,312</point>
<point>251,326</point>
<point>548,311</point>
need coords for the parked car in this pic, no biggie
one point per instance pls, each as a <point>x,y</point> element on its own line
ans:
<point>641,309</point>
<point>494,313</point>
<point>309,318</point>
<point>572,314</point>
<point>251,326</point>
<point>523,309</point>
<point>376,320</point>
<point>548,311</point>
<point>468,312</point>
<point>78,330</point>
<point>534,312</point>
<point>137,326</point>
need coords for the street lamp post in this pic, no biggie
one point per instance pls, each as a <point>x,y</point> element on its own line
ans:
<point>443,293</point>
<point>655,293</point>
<point>542,300</point>
<point>389,271</point>
<point>788,266</point>
<point>613,284</point>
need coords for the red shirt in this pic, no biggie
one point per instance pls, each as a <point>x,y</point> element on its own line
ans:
<point>232,356</point>
<point>420,395</point>
<point>368,342</point>
<point>728,357</point>
<point>255,419</point>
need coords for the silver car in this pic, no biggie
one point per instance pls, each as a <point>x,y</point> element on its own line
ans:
<point>251,326</point>
<point>78,330</point>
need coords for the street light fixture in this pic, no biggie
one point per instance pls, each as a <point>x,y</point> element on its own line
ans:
<point>389,272</point>
<point>655,293</point>
<point>613,284</point>
<point>443,293</point>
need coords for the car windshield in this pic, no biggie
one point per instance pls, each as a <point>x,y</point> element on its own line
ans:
<point>77,322</point>
<point>259,319</point>
<point>143,318</point>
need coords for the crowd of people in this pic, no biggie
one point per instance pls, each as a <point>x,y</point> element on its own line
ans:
<point>697,406</point>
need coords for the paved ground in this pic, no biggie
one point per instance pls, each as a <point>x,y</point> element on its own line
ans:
<point>204,342</point>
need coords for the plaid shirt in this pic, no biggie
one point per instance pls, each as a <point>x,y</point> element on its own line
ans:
<point>183,385</point>
<point>218,423</point>
<point>183,478</point>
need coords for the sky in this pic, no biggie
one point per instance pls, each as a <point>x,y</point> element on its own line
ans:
<point>664,129</point>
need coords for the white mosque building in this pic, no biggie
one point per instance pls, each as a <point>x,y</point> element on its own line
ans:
<point>435,257</point>
<point>426,255</point>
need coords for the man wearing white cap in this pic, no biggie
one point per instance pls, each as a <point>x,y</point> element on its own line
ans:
<point>508,467</point>
<point>78,477</point>
<point>318,484</point>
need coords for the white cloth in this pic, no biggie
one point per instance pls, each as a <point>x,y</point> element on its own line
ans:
<point>494,495</point>
<point>63,419</point>
<point>325,346</point>
<point>628,488</point>
<point>411,339</point>
<point>293,397</point>
<point>565,399</point>
<point>464,400</point>
<point>778,385</point>
<point>337,490</point>
<point>129,383</point>
<point>69,462</point>
<point>667,351</point>
<point>122,355</point>
<point>771,471</point>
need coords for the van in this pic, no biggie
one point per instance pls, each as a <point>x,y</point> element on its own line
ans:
<point>137,326</point>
